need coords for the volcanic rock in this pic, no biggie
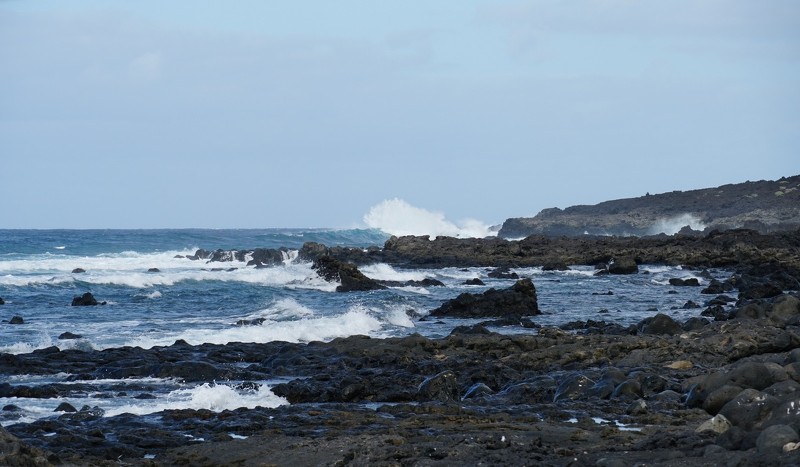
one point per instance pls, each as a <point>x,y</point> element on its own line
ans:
<point>86,299</point>
<point>659,324</point>
<point>351,278</point>
<point>691,282</point>
<point>766,206</point>
<point>624,265</point>
<point>503,273</point>
<point>68,335</point>
<point>518,300</point>
<point>16,320</point>
<point>14,452</point>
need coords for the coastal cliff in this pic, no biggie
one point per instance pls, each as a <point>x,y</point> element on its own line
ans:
<point>765,206</point>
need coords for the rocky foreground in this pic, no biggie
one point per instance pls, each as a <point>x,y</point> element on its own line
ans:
<point>718,390</point>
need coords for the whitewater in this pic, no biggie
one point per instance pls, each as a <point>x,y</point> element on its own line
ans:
<point>155,295</point>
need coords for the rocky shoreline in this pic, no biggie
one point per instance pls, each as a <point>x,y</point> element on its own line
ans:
<point>721,390</point>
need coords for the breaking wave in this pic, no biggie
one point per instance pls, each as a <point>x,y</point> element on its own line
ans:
<point>397,217</point>
<point>673,225</point>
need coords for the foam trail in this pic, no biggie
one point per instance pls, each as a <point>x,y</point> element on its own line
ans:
<point>397,217</point>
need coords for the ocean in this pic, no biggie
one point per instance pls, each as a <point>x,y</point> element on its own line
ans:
<point>155,296</point>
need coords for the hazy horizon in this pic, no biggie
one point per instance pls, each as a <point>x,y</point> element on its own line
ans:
<point>313,114</point>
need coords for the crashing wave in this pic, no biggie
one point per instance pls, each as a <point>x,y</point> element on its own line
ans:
<point>397,217</point>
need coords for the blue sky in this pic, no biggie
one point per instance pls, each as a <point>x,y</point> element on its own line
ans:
<point>145,114</point>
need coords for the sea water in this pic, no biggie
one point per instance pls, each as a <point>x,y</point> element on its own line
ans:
<point>201,302</point>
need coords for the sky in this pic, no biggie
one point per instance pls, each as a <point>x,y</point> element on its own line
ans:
<point>260,114</point>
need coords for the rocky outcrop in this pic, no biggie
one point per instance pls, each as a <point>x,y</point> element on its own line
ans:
<point>351,279</point>
<point>519,300</point>
<point>777,253</point>
<point>765,206</point>
<point>86,299</point>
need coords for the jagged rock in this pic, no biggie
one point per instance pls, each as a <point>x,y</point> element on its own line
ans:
<point>16,320</point>
<point>69,335</point>
<point>86,299</point>
<point>716,287</point>
<point>503,273</point>
<point>624,265</point>
<point>65,407</point>
<point>518,300</point>
<point>555,266</point>
<point>474,281</point>
<point>351,278</point>
<point>199,254</point>
<point>690,282</point>
<point>427,282</point>
<point>659,324</point>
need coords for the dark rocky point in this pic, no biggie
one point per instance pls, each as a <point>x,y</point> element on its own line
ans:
<point>78,271</point>
<point>16,320</point>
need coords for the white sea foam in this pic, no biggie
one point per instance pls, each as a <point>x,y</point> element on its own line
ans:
<point>131,270</point>
<point>399,317</point>
<point>215,397</point>
<point>283,310</point>
<point>673,225</point>
<point>354,321</point>
<point>384,272</point>
<point>397,217</point>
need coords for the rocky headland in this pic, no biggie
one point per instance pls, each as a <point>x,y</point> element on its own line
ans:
<point>765,206</point>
